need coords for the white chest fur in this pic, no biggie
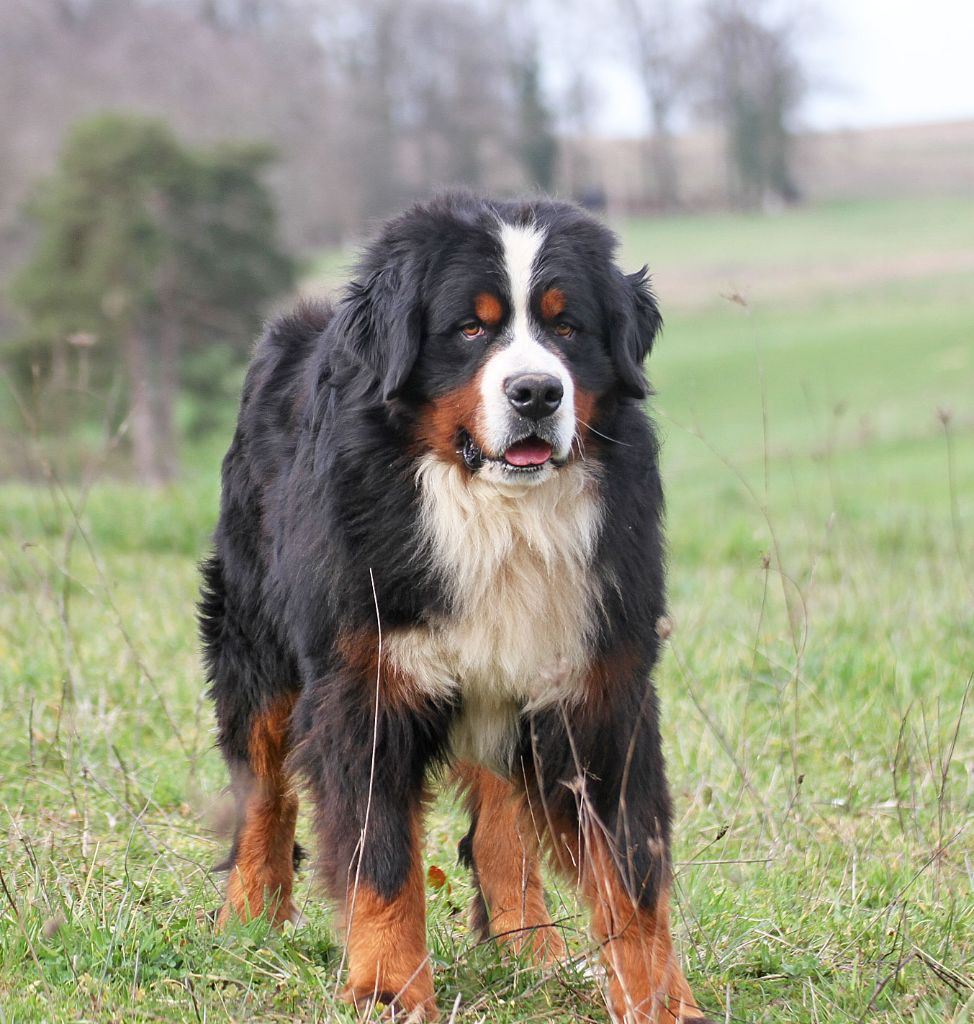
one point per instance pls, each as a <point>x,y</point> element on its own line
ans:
<point>518,562</point>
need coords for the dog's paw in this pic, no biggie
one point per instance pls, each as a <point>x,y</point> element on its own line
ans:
<point>278,914</point>
<point>295,918</point>
<point>406,1007</point>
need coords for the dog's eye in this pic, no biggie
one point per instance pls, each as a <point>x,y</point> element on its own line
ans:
<point>564,330</point>
<point>472,330</point>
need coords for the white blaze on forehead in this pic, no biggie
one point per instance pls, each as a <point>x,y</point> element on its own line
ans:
<point>522,353</point>
<point>521,245</point>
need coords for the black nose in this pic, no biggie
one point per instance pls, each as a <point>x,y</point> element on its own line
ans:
<point>534,395</point>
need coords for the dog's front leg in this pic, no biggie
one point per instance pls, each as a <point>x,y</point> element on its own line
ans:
<point>367,771</point>
<point>646,982</point>
<point>385,928</point>
<point>596,778</point>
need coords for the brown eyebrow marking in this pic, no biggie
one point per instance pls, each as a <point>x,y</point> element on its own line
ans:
<point>552,303</point>
<point>488,309</point>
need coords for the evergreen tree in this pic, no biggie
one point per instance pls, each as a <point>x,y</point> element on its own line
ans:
<point>149,251</point>
<point>755,83</point>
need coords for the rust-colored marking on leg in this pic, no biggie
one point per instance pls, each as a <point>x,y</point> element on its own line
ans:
<point>646,984</point>
<point>386,945</point>
<point>262,876</point>
<point>507,862</point>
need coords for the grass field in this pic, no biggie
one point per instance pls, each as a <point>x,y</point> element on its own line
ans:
<point>816,394</point>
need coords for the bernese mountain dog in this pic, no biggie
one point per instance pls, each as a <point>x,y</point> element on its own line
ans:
<point>439,551</point>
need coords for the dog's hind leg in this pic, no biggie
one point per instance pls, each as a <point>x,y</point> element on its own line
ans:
<point>262,860</point>
<point>501,849</point>
<point>254,720</point>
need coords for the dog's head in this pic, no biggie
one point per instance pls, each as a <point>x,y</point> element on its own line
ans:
<point>503,325</point>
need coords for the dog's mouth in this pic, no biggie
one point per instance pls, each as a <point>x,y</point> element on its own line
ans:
<point>529,453</point>
<point>526,455</point>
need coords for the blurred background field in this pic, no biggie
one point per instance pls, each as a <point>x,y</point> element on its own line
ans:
<point>820,477</point>
<point>814,394</point>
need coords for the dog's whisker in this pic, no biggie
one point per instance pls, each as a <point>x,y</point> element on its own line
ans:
<point>578,445</point>
<point>598,433</point>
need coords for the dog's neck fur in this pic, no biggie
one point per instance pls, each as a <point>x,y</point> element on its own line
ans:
<point>518,565</point>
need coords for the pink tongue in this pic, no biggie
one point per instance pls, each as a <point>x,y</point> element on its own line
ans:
<point>530,452</point>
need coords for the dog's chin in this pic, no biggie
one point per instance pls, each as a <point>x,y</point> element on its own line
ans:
<point>509,478</point>
<point>526,462</point>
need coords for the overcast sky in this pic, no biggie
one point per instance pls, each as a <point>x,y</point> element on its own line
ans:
<point>881,62</point>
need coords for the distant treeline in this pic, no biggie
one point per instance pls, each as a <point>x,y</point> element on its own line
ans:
<point>369,103</point>
<point>366,102</point>
<point>150,148</point>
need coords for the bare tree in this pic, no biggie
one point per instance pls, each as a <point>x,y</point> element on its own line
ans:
<point>655,39</point>
<point>576,111</point>
<point>754,86</point>
<point>431,97</point>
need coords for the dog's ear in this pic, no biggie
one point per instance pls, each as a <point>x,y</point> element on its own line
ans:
<point>634,323</point>
<point>380,320</point>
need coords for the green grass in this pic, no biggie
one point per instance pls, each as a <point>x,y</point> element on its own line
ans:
<point>821,523</point>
